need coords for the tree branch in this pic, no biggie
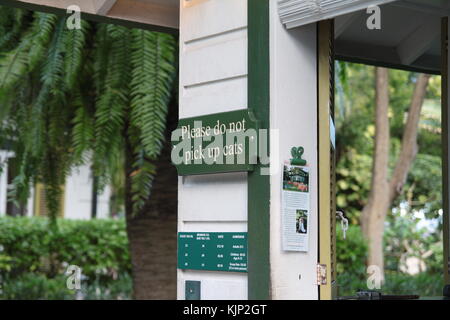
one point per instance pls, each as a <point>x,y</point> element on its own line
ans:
<point>409,146</point>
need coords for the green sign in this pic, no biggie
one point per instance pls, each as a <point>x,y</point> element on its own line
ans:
<point>216,143</point>
<point>214,251</point>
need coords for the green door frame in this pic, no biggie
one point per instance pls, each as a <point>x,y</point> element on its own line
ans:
<point>259,185</point>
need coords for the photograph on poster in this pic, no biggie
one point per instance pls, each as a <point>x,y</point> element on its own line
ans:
<point>302,221</point>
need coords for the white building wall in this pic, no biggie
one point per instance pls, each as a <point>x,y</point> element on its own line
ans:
<point>78,195</point>
<point>293,111</point>
<point>213,78</point>
<point>3,182</point>
<point>30,204</point>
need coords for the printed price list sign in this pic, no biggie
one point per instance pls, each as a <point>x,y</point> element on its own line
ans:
<point>213,251</point>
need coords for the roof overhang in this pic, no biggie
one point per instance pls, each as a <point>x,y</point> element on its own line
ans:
<point>295,13</point>
<point>158,15</point>
<point>409,38</point>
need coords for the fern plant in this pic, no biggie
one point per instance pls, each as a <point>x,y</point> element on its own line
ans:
<point>95,95</point>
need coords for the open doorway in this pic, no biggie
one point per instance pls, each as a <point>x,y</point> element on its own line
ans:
<point>388,99</point>
<point>412,255</point>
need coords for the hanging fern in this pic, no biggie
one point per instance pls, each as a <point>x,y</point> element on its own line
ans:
<point>153,72</point>
<point>70,97</point>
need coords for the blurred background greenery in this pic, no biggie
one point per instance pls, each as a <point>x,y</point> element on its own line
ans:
<point>413,231</point>
<point>34,259</point>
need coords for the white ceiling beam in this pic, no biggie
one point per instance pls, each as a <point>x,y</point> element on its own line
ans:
<point>103,7</point>
<point>419,41</point>
<point>147,12</point>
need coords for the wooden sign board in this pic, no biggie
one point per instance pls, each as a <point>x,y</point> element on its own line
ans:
<point>216,143</point>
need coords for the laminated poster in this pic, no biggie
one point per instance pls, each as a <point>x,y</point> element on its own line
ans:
<point>295,200</point>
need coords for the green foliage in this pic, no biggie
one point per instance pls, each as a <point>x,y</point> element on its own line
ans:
<point>351,256</point>
<point>70,97</point>
<point>353,176</point>
<point>403,239</point>
<point>423,284</point>
<point>425,185</point>
<point>355,118</point>
<point>351,252</point>
<point>99,247</point>
<point>33,261</point>
<point>32,286</point>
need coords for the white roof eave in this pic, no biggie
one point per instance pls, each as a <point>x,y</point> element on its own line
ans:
<point>295,13</point>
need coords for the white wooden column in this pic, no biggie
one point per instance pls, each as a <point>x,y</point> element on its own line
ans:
<point>213,78</point>
<point>293,112</point>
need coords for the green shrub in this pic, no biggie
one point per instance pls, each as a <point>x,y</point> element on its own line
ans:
<point>403,238</point>
<point>423,284</point>
<point>351,252</point>
<point>23,244</point>
<point>32,286</point>
<point>119,289</point>
<point>98,247</point>
<point>351,268</point>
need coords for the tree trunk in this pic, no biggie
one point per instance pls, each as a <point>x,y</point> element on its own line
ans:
<point>152,233</point>
<point>374,212</point>
<point>153,237</point>
<point>383,192</point>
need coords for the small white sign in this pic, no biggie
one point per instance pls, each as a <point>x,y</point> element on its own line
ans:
<point>295,208</point>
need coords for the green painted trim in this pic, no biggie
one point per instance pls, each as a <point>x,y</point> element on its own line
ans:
<point>88,16</point>
<point>445,153</point>
<point>259,185</point>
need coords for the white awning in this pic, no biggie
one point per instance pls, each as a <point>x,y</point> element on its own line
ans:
<point>294,13</point>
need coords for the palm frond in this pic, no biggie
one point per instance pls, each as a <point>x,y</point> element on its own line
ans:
<point>43,28</point>
<point>75,43</point>
<point>153,59</point>
<point>53,68</point>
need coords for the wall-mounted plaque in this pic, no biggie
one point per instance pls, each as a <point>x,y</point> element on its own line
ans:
<point>214,251</point>
<point>216,143</point>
